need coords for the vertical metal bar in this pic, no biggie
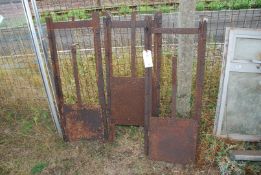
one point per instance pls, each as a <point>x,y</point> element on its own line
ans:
<point>157,60</point>
<point>148,85</point>
<point>108,61</point>
<point>76,75</point>
<point>133,42</point>
<point>55,63</point>
<point>40,60</point>
<point>99,69</point>
<point>174,87</point>
<point>200,69</point>
<point>108,31</point>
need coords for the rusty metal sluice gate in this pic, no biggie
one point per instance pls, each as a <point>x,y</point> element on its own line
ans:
<point>170,138</point>
<point>130,100</point>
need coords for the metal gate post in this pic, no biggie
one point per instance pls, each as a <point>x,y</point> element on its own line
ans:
<point>200,68</point>
<point>56,72</point>
<point>108,62</point>
<point>99,69</point>
<point>148,84</point>
<point>157,63</point>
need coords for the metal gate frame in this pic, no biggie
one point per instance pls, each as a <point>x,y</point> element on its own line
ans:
<point>79,120</point>
<point>125,95</point>
<point>167,139</point>
<point>172,139</point>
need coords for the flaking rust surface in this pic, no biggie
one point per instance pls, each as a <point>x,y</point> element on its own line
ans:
<point>173,140</point>
<point>127,100</point>
<point>83,122</point>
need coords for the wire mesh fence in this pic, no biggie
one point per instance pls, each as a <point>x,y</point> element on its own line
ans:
<point>83,38</point>
<point>21,85</point>
<point>20,82</point>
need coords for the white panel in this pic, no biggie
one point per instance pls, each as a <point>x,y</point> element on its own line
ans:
<point>248,49</point>
<point>243,111</point>
<point>238,113</point>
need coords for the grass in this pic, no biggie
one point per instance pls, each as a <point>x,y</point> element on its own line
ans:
<point>40,151</point>
<point>20,71</point>
<point>200,6</point>
<point>231,4</point>
<point>38,168</point>
<point>30,145</point>
<point>216,5</point>
<point>123,10</point>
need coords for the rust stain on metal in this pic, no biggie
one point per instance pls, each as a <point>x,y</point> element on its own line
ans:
<point>83,122</point>
<point>125,95</point>
<point>76,75</point>
<point>80,121</point>
<point>133,44</point>
<point>127,100</point>
<point>99,69</point>
<point>174,87</point>
<point>173,140</point>
<point>200,69</point>
<point>108,62</point>
<point>148,84</point>
<point>56,72</point>
<point>157,63</point>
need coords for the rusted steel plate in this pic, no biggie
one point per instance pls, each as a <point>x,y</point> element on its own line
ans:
<point>176,30</point>
<point>83,122</point>
<point>173,140</point>
<point>127,100</point>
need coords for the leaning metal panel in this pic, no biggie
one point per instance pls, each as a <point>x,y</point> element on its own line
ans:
<point>125,94</point>
<point>172,139</point>
<point>79,120</point>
